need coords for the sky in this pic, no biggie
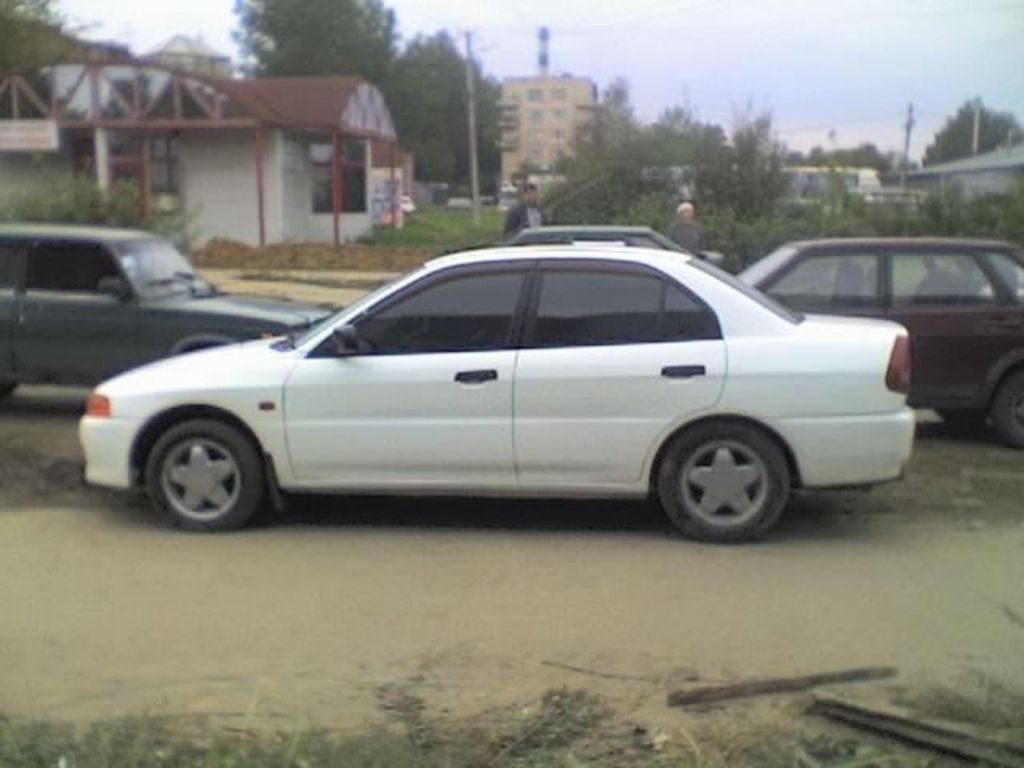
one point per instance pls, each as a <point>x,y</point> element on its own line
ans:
<point>831,72</point>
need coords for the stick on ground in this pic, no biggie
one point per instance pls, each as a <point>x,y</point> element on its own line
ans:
<point>708,694</point>
<point>947,738</point>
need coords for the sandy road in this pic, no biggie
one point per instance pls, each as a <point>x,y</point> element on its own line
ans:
<point>105,612</point>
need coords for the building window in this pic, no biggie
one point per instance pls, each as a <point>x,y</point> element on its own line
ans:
<point>559,94</point>
<point>559,136</point>
<point>559,114</point>
<point>163,158</point>
<point>353,177</point>
<point>536,115</point>
<point>535,94</point>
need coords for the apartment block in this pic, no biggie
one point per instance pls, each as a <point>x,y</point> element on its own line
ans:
<point>540,117</point>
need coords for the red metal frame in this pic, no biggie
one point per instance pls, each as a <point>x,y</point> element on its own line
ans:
<point>336,186</point>
<point>259,185</point>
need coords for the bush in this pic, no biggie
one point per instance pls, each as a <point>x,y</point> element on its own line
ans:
<point>75,199</point>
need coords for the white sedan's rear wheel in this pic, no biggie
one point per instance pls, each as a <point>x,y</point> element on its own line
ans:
<point>206,476</point>
<point>724,482</point>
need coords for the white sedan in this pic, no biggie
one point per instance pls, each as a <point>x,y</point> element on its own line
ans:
<point>559,371</point>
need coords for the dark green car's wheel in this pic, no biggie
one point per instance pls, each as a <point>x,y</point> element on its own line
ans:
<point>206,476</point>
<point>1007,410</point>
<point>724,482</point>
<point>7,388</point>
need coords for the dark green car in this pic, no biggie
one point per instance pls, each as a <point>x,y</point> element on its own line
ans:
<point>80,304</point>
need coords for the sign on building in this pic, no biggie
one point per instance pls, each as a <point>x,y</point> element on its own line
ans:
<point>29,136</point>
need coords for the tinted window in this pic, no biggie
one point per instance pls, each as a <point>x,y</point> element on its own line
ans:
<point>77,267</point>
<point>939,279</point>
<point>578,308</point>
<point>846,280</point>
<point>685,318</point>
<point>460,313</point>
<point>1010,273</point>
<point>8,253</point>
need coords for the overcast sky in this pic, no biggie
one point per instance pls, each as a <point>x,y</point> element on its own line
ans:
<point>818,65</point>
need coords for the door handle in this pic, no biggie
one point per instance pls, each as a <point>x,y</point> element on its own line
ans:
<point>683,371</point>
<point>476,377</point>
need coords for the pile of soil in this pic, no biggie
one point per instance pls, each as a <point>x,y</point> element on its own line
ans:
<point>230,254</point>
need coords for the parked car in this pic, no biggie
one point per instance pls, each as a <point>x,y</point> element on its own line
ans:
<point>961,300</point>
<point>560,371</point>
<point>80,304</point>
<point>636,237</point>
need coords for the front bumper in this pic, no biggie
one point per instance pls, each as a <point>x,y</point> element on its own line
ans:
<point>107,445</point>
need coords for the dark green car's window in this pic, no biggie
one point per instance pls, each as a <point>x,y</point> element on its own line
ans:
<point>71,267</point>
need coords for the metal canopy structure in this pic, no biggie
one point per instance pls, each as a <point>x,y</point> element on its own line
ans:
<point>144,97</point>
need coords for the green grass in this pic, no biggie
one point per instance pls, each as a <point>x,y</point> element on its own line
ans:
<point>442,229</point>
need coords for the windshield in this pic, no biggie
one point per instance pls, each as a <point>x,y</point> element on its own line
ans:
<point>157,268</point>
<point>749,291</point>
<point>351,310</point>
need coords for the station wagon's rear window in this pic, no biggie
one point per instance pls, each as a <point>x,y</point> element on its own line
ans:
<point>8,253</point>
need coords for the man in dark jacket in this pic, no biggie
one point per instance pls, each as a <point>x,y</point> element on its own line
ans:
<point>525,215</point>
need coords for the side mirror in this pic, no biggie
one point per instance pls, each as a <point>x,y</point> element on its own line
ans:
<point>346,341</point>
<point>116,287</point>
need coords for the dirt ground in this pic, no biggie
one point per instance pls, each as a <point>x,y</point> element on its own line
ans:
<point>472,604</point>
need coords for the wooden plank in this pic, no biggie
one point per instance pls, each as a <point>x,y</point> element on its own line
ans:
<point>937,735</point>
<point>708,694</point>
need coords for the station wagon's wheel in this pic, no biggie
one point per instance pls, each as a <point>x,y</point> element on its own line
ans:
<point>724,482</point>
<point>1007,410</point>
<point>206,476</point>
<point>6,388</point>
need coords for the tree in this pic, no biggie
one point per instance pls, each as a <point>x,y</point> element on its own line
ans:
<point>427,96</point>
<point>317,37</point>
<point>955,139</point>
<point>866,155</point>
<point>424,85</point>
<point>30,35</point>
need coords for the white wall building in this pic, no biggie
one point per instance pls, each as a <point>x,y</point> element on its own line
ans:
<point>260,161</point>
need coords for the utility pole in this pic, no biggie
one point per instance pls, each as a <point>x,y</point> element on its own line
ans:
<point>474,172</point>
<point>908,127</point>
<point>977,126</point>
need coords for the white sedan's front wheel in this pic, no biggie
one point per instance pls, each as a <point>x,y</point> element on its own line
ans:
<point>724,482</point>
<point>206,476</point>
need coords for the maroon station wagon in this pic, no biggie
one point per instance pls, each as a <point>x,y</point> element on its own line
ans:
<point>961,300</point>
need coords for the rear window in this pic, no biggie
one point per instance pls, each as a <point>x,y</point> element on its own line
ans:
<point>8,254</point>
<point>749,291</point>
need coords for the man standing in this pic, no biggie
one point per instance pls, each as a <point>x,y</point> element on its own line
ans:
<point>525,215</point>
<point>684,230</point>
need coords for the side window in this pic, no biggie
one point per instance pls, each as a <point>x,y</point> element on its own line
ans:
<point>8,255</point>
<point>837,281</point>
<point>939,279</point>
<point>70,267</point>
<point>581,308</point>
<point>1010,272</point>
<point>685,318</point>
<point>469,312</point>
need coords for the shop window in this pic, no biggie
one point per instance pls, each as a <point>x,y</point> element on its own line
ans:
<point>353,177</point>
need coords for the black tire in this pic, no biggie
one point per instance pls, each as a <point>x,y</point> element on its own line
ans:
<point>759,472</point>
<point>1007,410</point>
<point>7,389</point>
<point>215,461</point>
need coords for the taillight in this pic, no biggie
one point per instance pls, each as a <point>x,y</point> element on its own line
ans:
<point>897,377</point>
<point>98,406</point>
